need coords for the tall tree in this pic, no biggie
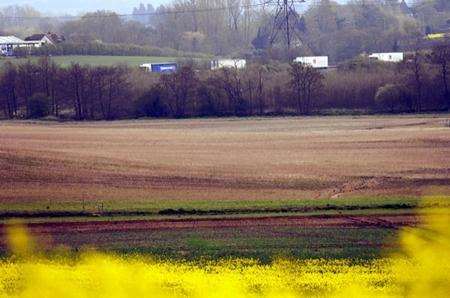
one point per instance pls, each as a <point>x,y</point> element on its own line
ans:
<point>441,56</point>
<point>28,82</point>
<point>48,72</point>
<point>8,81</point>
<point>305,83</point>
<point>76,75</point>
<point>181,87</point>
<point>416,68</point>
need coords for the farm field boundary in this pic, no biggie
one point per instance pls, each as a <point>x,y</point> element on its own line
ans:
<point>200,209</point>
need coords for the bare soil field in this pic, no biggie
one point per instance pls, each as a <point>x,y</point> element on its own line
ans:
<point>305,221</point>
<point>223,159</point>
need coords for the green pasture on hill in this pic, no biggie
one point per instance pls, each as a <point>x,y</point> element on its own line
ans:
<point>132,61</point>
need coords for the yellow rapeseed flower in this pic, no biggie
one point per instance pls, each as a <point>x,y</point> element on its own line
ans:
<point>421,270</point>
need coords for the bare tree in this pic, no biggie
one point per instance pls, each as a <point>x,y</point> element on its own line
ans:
<point>417,77</point>
<point>116,90</point>
<point>8,89</point>
<point>181,87</point>
<point>257,78</point>
<point>77,78</point>
<point>441,56</point>
<point>28,76</point>
<point>48,72</point>
<point>305,82</point>
<point>98,92</point>
<point>231,83</point>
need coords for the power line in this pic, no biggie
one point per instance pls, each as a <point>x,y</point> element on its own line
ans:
<point>156,13</point>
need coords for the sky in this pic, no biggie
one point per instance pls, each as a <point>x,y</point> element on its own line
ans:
<point>78,6</point>
<point>59,7</point>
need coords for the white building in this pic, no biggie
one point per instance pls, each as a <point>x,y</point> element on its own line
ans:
<point>228,63</point>
<point>39,40</point>
<point>388,57</point>
<point>313,61</point>
<point>9,43</point>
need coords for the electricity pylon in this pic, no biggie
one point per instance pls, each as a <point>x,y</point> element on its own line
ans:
<point>286,22</point>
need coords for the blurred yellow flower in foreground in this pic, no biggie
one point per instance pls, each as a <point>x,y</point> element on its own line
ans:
<point>422,269</point>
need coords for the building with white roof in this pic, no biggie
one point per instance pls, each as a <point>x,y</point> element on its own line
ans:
<point>9,43</point>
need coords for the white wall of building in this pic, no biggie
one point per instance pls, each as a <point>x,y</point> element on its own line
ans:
<point>146,66</point>
<point>228,63</point>
<point>9,43</point>
<point>388,57</point>
<point>313,61</point>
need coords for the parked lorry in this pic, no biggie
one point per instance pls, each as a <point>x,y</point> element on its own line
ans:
<point>165,67</point>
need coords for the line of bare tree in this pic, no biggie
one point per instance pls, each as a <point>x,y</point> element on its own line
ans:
<point>34,90</point>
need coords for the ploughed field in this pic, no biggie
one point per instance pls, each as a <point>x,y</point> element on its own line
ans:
<point>335,187</point>
<point>134,163</point>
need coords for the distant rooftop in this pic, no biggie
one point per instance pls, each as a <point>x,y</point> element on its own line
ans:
<point>35,37</point>
<point>53,37</point>
<point>10,39</point>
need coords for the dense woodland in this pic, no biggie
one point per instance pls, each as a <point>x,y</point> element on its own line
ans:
<point>242,28</point>
<point>35,90</point>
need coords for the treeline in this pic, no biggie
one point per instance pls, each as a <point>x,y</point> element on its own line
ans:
<point>245,27</point>
<point>35,90</point>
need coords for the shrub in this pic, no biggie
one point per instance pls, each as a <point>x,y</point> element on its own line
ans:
<point>151,104</point>
<point>391,97</point>
<point>38,106</point>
